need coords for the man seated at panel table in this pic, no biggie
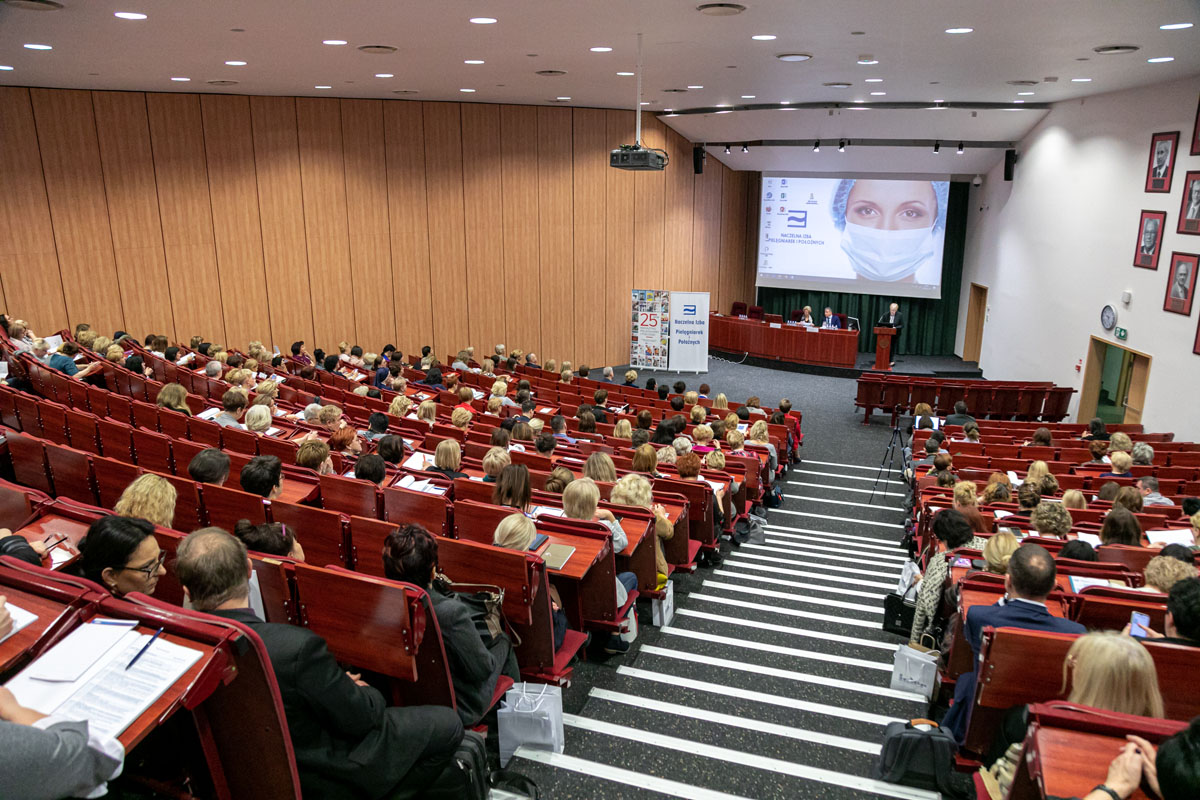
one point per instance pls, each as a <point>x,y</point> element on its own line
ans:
<point>831,321</point>
<point>348,743</point>
<point>1030,579</point>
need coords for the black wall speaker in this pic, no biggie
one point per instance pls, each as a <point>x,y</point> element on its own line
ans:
<point>1010,163</point>
<point>698,159</point>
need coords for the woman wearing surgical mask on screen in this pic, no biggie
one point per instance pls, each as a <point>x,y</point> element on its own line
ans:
<point>891,229</point>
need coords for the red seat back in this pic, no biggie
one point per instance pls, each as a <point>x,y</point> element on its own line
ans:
<point>321,533</point>
<point>350,496</point>
<point>71,473</point>
<point>224,506</point>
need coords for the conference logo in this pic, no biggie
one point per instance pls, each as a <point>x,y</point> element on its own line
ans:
<point>689,311</point>
<point>797,218</point>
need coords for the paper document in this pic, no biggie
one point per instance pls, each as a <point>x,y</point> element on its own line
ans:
<point>419,461</point>
<point>60,554</point>
<point>70,658</point>
<point>546,410</point>
<point>1079,583</point>
<point>1012,476</point>
<point>279,378</point>
<point>209,413</point>
<point>547,511</point>
<point>20,618</point>
<point>1181,536</point>
<point>53,342</point>
<point>272,431</point>
<point>1091,538</point>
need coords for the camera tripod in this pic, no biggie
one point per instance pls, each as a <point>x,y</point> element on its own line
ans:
<point>889,457</point>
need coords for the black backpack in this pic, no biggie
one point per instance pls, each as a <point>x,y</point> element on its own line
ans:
<point>923,759</point>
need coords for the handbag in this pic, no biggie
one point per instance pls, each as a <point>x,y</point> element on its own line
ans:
<point>485,602</point>
<point>899,612</point>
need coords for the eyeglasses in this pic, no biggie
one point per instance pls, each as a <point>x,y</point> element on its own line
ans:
<point>150,569</point>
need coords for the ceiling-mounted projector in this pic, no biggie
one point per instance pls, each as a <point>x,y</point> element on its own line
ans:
<point>636,157</point>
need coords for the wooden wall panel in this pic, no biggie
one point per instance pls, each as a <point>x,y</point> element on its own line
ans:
<point>557,285</point>
<point>522,301</point>
<point>184,206</point>
<point>447,233</point>
<point>649,198</point>
<point>66,134</point>
<point>733,240</point>
<point>706,232</point>
<point>281,216</point>
<point>367,223</point>
<point>404,142</point>
<point>29,274</point>
<point>323,186</point>
<point>591,146</point>
<point>619,201</point>
<point>677,214</point>
<point>483,198</point>
<point>237,230</point>
<point>123,132</point>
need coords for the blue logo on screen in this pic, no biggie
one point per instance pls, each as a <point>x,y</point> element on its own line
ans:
<point>770,195</point>
<point>797,218</point>
<point>689,311</point>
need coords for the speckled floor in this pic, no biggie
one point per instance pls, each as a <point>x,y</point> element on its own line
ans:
<point>772,679</point>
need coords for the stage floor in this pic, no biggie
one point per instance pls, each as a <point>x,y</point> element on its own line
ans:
<point>929,366</point>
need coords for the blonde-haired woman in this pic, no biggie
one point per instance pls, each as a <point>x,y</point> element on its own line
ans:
<point>998,551</point>
<point>500,390</point>
<point>1037,472</point>
<point>702,436</point>
<point>1073,498</point>
<point>174,397</point>
<point>1163,572</point>
<point>1120,442</point>
<point>667,454</point>
<point>635,490</point>
<point>113,353</point>
<point>150,497</point>
<point>494,462</point>
<point>565,376</point>
<point>581,499</point>
<point>516,532</point>
<point>460,418</point>
<point>630,377</point>
<point>758,435</point>
<point>427,412</point>
<point>447,458</point>
<point>258,419</point>
<point>967,503</point>
<point>623,429</point>
<point>400,406</point>
<point>551,366</point>
<point>720,401</point>
<point>600,467</point>
<point>698,414</point>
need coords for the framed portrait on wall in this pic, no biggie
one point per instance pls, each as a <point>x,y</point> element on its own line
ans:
<point>1195,149</point>
<point>1181,283</point>
<point>1162,161</point>
<point>1150,235</point>
<point>1189,208</point>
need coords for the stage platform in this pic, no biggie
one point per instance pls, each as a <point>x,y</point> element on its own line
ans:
<point>930,366</point>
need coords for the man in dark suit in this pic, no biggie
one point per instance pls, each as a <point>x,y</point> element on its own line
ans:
<point>960,415</point>
<point>1030,579</point>
<point>348,744</point>
<point>894,318</point>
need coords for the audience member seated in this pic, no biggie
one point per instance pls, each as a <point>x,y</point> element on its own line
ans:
<point>635,490</point>
<point>1182,624</point>
<point>922,418</point>
<point>1041,438</point>
<point>1096,431</point>
<point>122,555</point>
<point>258,419</point>
<point>447,459</point>
<point>1143,454</point>
<point>371,468</point>
<point>345,441</point>
<point>1108,491</point>
<point>965,502</point>
<point>410,555</point>
<point>1121,527</point>
<point>998,551</point>
<point>494,461</point>
<point>1051,520</point>
<point>1163,572</point>
<point>953,530</point>
<point>600,467</point>
<point>513,488</point>
<point>209,466</point>
<point>233,403</point>
<point>173,396</point>
<point>150,497</point>
<point>1078,550</point>
<point>377,426</point>
<point>970,433</point>
<point>263,476</point>
<point>1120,442</point>
<point>1099,451</point>
<point>269,538</point>
<point>347,743</point>
<point>1129,497</point>
<point>1073,499</point>
<point>560,478</point>
<point>1028,497</point>
<point>996,493</point>
<point>21,548</point>
<point>1148,487</point>
<point>315,455</point>
<point>960,415</point>
<point>758,435</point>
<point>1030,579</point>
<point>1039,476</point>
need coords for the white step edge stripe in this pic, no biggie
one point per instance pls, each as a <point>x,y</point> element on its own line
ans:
<point>879,493</point>
<point>816,737</point>
<point>882,480</point>
<point>774,538</point>
<point>844,466</point>
<point>790,612</point>
<point>625,776</point>
<point>747,548</point>
<point>732,562</point>
<point>746,644</point>
<point>812,587</point>
<point>870,541</point>
<point>855,520</point>
<point>841,503</point>
<point>792,597</point>
<point>749,759</point>
<point>788,629</point>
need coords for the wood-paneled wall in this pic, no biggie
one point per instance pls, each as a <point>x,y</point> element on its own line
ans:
<point>280,218</point>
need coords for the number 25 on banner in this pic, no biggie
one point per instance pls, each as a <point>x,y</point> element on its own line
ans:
<point>648,320</point>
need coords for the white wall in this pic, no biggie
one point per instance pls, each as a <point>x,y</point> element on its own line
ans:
<point>1056,244</point>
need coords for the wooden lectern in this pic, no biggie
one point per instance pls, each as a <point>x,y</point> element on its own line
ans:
<point>883,348</point>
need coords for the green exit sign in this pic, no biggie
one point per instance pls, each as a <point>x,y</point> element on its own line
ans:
<point>1122,334</point>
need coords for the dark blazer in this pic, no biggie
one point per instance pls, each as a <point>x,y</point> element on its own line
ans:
<point>449,473</point>
<point>959,419</point>
<point>348,743</point>
<point>19,547</point>
<point>472,667</point>
<point>898,324</point>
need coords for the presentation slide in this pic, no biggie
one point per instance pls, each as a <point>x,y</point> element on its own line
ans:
<point>864,235</point>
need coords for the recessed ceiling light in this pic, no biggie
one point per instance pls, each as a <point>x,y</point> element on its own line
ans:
<point>939,101</point>
<point>38,47</point>
<point>5,68</point>
<point>726,111</point>
<point>1081,80</point>
<point>1155,60</point>
<point>1025,94</point>
<point>181,80</point>
<point>878,94</point>
<point>763,37</point>
<point>128,15</point>
<point>1175,26</point>
<point>1018,101</point>
<point>960,30</point>
<point>794,56</point>
<point>322,87</point>
<point>384,75</point>
<point>562,98</point>
<point>721,9</point>
<point>695,86</point>
<point>468,91</point>
<point>600,49</point>
<point>625,74</point>
<point>867,60</point>
<point>645,102</point>
<point>860,101</point>
<point>235,63</point>
<point>334,42</point>
<point>873,80</point>
<point>483,20</point>
<point>473,61</point>
<point>748,96</point>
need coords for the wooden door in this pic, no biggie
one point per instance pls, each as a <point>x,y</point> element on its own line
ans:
<point>976,316</point>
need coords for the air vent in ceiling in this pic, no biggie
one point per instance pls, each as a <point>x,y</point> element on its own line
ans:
<point>675,91</point>
<point>1022,83</point>
<point>377,49</point>
<point>404,91</point>
<point>837,84</point>
<point>551,73</point>
<point>34,5</point>
<point>721,9</point>
<point>1116,49</point>
<point>221,83</point>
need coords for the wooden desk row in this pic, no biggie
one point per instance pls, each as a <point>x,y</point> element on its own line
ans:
<point>783,342</point>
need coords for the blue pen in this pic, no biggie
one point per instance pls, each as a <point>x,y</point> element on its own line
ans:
<point>122,622</point>
<point>145,647</point>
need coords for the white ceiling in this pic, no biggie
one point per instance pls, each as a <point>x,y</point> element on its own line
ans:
<point>919,62</point>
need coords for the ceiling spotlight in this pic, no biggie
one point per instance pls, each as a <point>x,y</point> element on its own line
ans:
<point>841,145</point>
<point>129,15</point>
<point>600,49</point>
<point>873,80</point>
<point>937,148</point>
<point>384,75</point>
<point>235,63</point>
<point>178,80</point>
<point>692,85</point>
<point>334,42</point>
<point>817,146</point>
<point>867,60</point>
<point>726,149</point>
<point>1157,60</point>
<point>630,75</point>
<point>483,20</point>
<point>7,68</point>
<point>793,57</point>
<point>763,37</point>
<point>473,61</point>
<point>960,148</point>
<point>960,30</point>
<point>748,96</point>
<point>562,98</point>
<point>878,94</point>
<point>322,87</point>
<point>468,91</point>
<point>38,47</point>
<point>1024,94</point>
<point>1175,26</point>
<point>1081,80</point>
<point>745,149</point>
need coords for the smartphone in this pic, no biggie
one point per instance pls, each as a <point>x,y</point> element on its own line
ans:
<point>1137,624</point>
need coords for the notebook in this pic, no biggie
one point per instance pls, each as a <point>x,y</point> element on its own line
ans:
<point>556,555</point>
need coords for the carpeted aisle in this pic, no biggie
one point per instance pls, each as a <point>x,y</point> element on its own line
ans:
<point>772,679</point>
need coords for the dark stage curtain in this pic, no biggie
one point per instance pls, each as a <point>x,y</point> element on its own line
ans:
<point>929,324</point>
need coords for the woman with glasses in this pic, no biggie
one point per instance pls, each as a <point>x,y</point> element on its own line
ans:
<point>122,555</point>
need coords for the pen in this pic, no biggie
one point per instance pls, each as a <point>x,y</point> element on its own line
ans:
<point>55,543</point>
<point>145,647</point>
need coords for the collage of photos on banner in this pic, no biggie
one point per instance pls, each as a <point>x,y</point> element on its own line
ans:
<point>1152,227</point>
<point>650,329</point>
